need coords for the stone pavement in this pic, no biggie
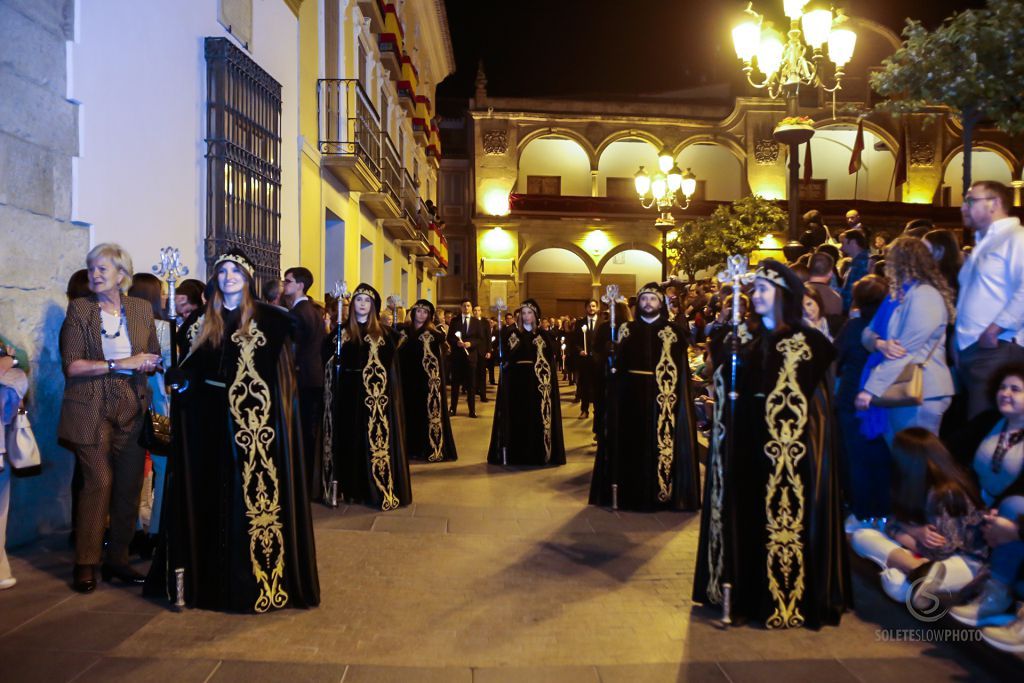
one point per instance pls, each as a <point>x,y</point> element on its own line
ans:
<point>490,576</point>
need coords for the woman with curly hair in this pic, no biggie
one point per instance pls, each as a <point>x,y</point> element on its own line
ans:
<point>909,327</point>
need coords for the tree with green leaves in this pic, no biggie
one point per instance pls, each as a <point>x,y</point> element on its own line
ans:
<point>973,63</point>
<point>705,243</point>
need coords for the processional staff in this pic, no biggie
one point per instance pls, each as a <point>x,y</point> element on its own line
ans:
<point>394,302</point>
<point>171,269</point>
<point>500,307</point>
<point>735,274</point>
<point>611,297</point>
<point>341,295</point>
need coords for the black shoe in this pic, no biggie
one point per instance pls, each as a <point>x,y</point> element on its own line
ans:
<point>123,572</point>
<point>451,411</point>
<point>584,415</point>
<point>84,578</point>
<point>472,413</point>
<point>484,399</point>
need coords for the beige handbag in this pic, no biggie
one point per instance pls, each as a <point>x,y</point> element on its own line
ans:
<point>22,449</point>
<point>908,387</point>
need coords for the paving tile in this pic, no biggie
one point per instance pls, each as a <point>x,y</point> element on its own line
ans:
<point>343,522</point>
<point>790,671</point>
<point>234,671</point>
<point>20,604</point>
<point>18,665</point>
<point>410,525</point>
<point>537,674</point>
<point>496,527</point>
<point>902,670</point>
<point>150,670</point>
<point>701,672</point>
<point>448,511</point>
<point>72,627</point>
<point>395,674</point>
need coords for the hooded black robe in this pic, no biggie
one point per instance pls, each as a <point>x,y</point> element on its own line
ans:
<point>527,428</point>
<point>236,504</point>
<point>364,436</point>
<point>772,524</point>
<point>428,427</point>
<point>649,444</point>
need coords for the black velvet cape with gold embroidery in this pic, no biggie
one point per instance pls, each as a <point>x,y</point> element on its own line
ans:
<point>237,505</point>
<point>772,523</point>
<point>428,426</point>
<point>527,427</point>
<point>367,443</point>
<point>649,445</point>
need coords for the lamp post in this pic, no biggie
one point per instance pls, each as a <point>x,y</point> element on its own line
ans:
<point>663,191</point>
<point>785,66</point>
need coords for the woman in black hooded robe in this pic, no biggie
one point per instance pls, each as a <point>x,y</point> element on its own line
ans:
<point>772,532</point>
<point>364,423</point>
<point>421,352</point>
<point>527,428</point>
<point>238,534</point>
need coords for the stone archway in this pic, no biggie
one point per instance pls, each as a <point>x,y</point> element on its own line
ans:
<point>563,284</point>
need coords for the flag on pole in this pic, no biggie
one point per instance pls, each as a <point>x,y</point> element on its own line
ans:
<point>808,164</point>
<point>900,171</point>
<point>858,149</point>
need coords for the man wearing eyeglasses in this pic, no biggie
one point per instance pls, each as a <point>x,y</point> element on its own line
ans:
<point>990,308</point>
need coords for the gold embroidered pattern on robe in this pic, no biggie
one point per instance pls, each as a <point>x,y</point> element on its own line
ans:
<point>327,465</point>
<point>432,367</point>
<point>623,333</point>
<point>786,416</point>
<point>666,375</point>
<point>375,382</point>
<point>249,402</point>
<point>716,541</point>
<point>513,340</point>
<point>542,369</point>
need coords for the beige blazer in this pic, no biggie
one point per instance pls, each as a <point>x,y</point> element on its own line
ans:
<point>82,408</point>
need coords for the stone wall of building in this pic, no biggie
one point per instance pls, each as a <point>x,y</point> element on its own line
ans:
<point>40,246</point>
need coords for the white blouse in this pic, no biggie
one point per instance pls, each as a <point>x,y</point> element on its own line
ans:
<point>119,347</point>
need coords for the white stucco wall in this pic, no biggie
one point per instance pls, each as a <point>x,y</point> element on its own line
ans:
<point>622,159</point>
<point>716,165</point>
<point>985,165</point>
<point>139,71</point>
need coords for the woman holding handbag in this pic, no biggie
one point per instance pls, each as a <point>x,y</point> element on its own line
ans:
<point>13,385</point>
<point>108,347</point>
<point>906,381</point>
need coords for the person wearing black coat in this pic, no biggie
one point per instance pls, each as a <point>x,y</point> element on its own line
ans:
<point>468,340</point>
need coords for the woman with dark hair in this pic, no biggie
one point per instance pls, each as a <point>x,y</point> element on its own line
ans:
<point>946,251</point>
<point>364,425</point>
<point>910,327</point>
<point>934,542</point>
<point>771,539</point>
<point>237,523</point>
<point>527,428</point>
<point>866,460</point>
<point>879,243</point>
<point>814,311</point>
<point>148,287</point>
<point>78,285</point>
<point>421,352</point>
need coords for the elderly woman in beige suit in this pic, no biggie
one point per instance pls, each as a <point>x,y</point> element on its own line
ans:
<point>108,346</point>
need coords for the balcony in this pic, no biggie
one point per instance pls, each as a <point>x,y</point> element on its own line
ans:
<point>374,11</point>
<point>386,203</point>
<point>391,54</point>
<point>406,227</point>
<point>421,131</point>
<point>436,260</point>
<point>349,134</point>
<point>407,97</point>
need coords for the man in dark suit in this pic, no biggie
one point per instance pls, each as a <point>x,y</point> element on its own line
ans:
<point>483,354</point>
<point>309,342</point>
<point>467,337</point>
<point>582,347</point>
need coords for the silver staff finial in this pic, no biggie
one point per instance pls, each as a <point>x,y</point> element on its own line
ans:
<point>170,269</point>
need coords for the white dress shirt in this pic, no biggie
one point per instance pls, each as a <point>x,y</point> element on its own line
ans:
<point>992,284</point>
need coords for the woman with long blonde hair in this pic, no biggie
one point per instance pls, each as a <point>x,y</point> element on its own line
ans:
<point>364,426</point>
<point>237,518</point>
<point>909,327</point>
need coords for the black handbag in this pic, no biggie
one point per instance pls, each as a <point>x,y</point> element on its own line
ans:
<point>156,433</point>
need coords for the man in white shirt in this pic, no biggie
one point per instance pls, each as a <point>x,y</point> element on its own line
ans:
<point>990,309</point>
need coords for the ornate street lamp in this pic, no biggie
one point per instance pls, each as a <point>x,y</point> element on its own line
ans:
<point>662,191</point>
<point>797,60</point>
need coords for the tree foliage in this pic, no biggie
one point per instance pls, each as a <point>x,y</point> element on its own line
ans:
<point>973,63</point>
<point>705,243</point>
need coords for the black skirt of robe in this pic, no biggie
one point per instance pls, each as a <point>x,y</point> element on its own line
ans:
<point>741,464</point>
<point>224,500</point>
<point>628,449</point>
<point>518,430</point>
<point>360,431</point>
<point>416,366</point>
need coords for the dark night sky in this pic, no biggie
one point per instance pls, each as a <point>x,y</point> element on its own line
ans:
<point>609,48</point>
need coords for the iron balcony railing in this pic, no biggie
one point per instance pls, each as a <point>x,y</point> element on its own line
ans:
<point>391,169</point>
<point>348,123</point>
